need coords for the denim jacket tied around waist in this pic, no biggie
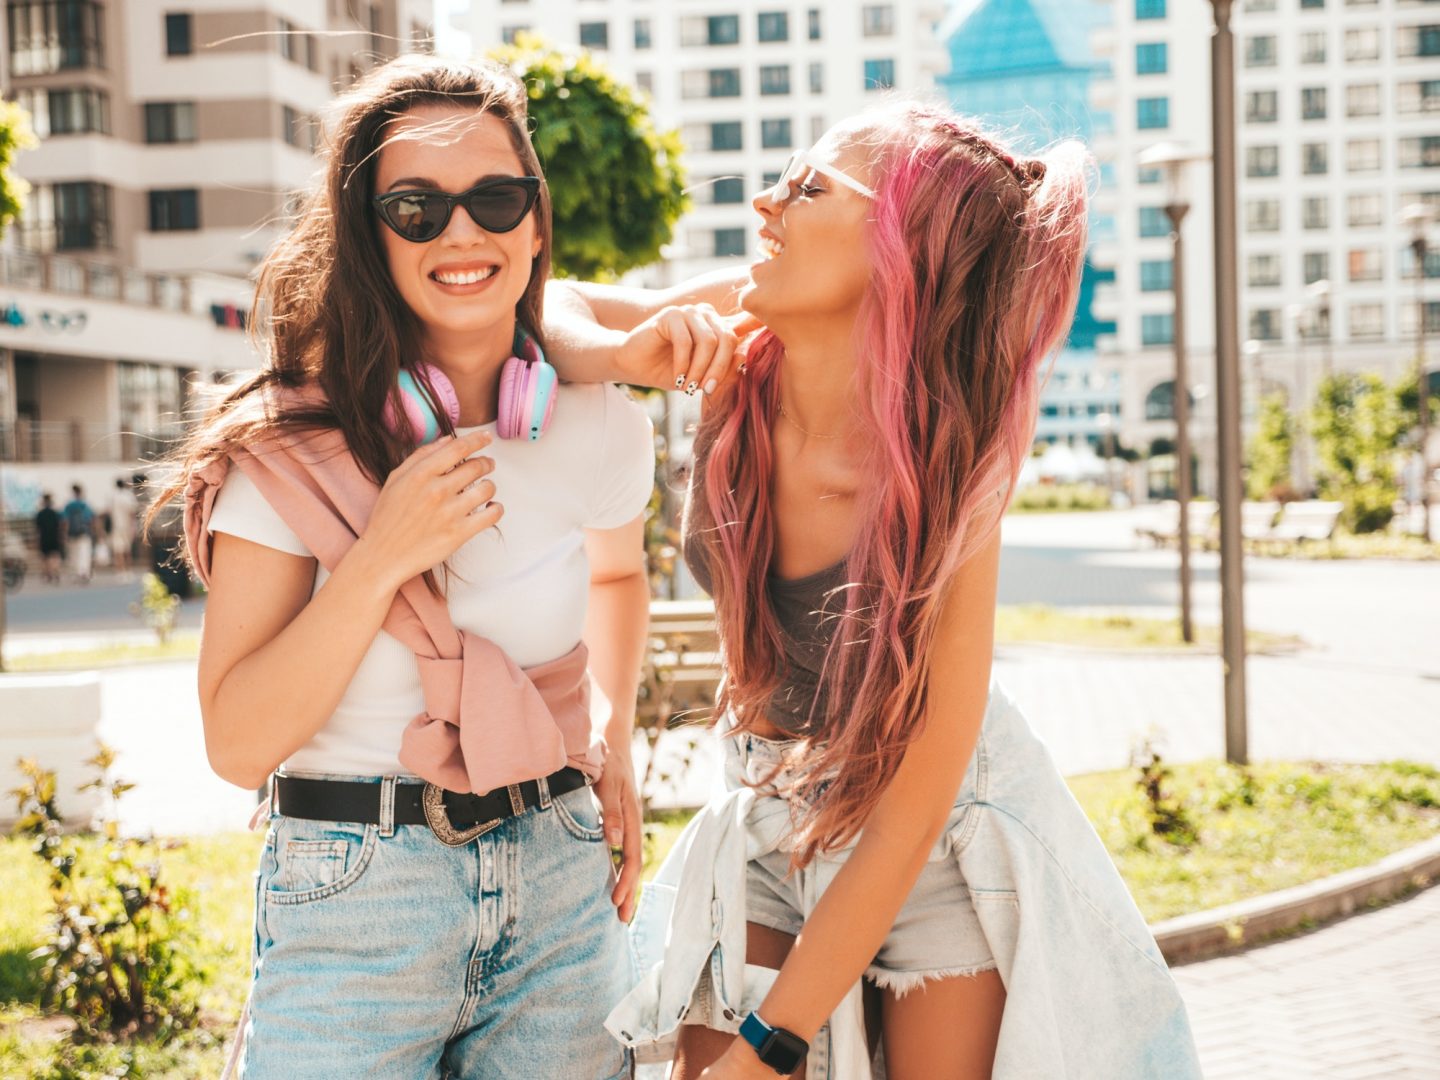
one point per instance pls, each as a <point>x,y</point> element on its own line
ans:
<point>1089,996</point>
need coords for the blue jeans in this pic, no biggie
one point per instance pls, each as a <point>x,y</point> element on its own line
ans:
<point>381,952</point>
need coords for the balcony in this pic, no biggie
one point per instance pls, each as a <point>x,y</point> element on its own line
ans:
<point>97,281</point>
<point>68,442</point>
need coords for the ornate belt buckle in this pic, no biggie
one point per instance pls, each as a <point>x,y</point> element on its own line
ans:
<point>432,801</point>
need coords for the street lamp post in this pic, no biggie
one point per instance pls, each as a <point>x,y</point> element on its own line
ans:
<point>1419,216</point>
<point>1227,381</point>
<point>1173,159</point>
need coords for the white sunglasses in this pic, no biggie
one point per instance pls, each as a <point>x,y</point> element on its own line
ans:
<point>799,165</point>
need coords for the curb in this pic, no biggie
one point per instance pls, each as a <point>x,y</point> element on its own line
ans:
<point>1245,923</point>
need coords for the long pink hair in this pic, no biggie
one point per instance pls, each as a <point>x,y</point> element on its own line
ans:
<point>977,260</point>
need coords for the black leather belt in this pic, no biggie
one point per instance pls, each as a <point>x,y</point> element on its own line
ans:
<point>454,817</point>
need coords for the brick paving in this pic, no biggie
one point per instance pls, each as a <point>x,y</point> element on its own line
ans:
<point>1355,1000</point>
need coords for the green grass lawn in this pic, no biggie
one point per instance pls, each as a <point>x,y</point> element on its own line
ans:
<point>1040,623</point>
<point>1259,830</point>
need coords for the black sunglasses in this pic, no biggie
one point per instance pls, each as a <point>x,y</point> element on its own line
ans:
<point>497,206</point>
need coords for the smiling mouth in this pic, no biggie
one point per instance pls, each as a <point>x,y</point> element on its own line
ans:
<point>468,277</point>
<point>771,248</point>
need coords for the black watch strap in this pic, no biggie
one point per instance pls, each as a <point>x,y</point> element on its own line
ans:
<point>782,1050</point>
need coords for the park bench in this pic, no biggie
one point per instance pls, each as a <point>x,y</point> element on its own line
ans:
<point>681,672</point>
<point>1257,520</point>
<point>1311,521</point>
<point>1163,528</point>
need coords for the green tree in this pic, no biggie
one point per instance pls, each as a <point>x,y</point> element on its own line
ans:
<point>1268,462</point>
<point>15,135</point>
<point>1358,425</point>
<point>616,183</point>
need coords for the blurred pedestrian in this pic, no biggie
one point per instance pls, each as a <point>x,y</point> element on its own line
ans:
<point>79,535</point>
<point>123,508</point>
<point>48,529</point>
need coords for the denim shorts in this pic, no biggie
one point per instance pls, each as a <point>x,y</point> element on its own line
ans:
<point>381,952</point>
<point>937,934</point>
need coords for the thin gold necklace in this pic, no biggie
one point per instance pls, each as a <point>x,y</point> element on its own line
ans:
<point>807,434</point>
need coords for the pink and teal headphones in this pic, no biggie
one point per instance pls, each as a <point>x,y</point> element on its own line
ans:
<point>527,395</point>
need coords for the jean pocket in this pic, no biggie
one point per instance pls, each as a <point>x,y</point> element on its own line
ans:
<point>579,813</point>
<point>316,859</point>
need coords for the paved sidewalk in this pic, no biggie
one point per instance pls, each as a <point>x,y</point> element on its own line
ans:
<point>1356,1000</point>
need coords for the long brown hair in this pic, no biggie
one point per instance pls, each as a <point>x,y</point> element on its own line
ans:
<point>330,316</point>
<point>977,260</point>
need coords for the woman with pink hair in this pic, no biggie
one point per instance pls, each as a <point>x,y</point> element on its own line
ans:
<point>897,871</point>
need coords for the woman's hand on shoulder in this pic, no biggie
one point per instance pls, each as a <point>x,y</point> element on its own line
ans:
<point>688,347</point>
<point>435,501</point>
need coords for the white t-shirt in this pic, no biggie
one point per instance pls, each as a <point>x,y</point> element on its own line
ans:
<point>524,585</point>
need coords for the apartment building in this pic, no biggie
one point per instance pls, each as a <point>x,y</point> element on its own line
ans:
<point>1338,125</point>
<point>172,137</point>
<point>746,81</point>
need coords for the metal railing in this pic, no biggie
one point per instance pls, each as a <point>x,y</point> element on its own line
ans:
<point>78,441</point>
<point>98,281</point>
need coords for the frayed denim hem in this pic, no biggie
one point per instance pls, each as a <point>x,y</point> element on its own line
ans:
<point>901,983</point>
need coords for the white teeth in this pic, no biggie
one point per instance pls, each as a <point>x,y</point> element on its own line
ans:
<point>468,278</point>
<point>771,248</point>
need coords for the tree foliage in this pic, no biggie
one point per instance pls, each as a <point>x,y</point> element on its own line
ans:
<point>1358,424</point>
<point>616,183</point>
<point>15,136</point>
<point>1268,461</point>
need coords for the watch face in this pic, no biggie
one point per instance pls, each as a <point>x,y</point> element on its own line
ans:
<point>783,1051</point>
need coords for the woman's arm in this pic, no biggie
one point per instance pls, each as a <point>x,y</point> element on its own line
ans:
<point>849,924</point>
<point>274,663</point>
<point>682,338</point>
<point>616,625</point>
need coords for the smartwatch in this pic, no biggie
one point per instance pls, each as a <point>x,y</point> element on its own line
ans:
<point>778,1048</point>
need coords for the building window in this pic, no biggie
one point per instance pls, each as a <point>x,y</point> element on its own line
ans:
<point>1262,106</point>
<point>1259,5</point>
<point>1362,44</point>
<point>711,30</point>
<point>1418,97</point>
<point>713,83</point>
<point>1432,319</point>
<point>508,34</point>
<point>1151,58</point>
<point>1417,41</point>
<point>817,77</point>
<point>287,40</point>
<point>813,21</point>
<point>727,190</point>
<point>1265,324</point>
<point>817,129</point>
<point>1262,161</point>
<point>1311,5</point>
<point>1152,112</point>
<point>1149,175</point>
<point>1365,264</point>
<point>1364,209</point>
<point>295,128</point>
<point>1362,99</point>
<point>1316,266</point>
<point>729,242</point>
<point>879,74</point>
<point>169,121</point>
<point>1315,212</point>
<point>82,216</point>
<point>1153,221</point>
<point>642,33</point>
<point>66,112</point>
<point>726,136</point>
<point>1262,215</point>
<point>1157,329</point>
<point>1420,152</point>
<point>877,20</point>
<point>1312,47</point>
<point>645,80</point>
<point>174,211</point>
<point>1315,158</point>
<point>776,134</point>
<point>1262,271</point>
<point>1367,320</point>
<point>1149,9</point>
<point>179,34</point>
<point>775,79</point>
<point>1157,275</point>
<point>595,35</point>
<point>1362,155</point>
<point>1312,103</point>
<point>1260,51</point>
<point>773,26</point>
<point>48,36</point>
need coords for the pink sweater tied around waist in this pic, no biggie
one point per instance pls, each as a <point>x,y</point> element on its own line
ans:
<point>487,723</point>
